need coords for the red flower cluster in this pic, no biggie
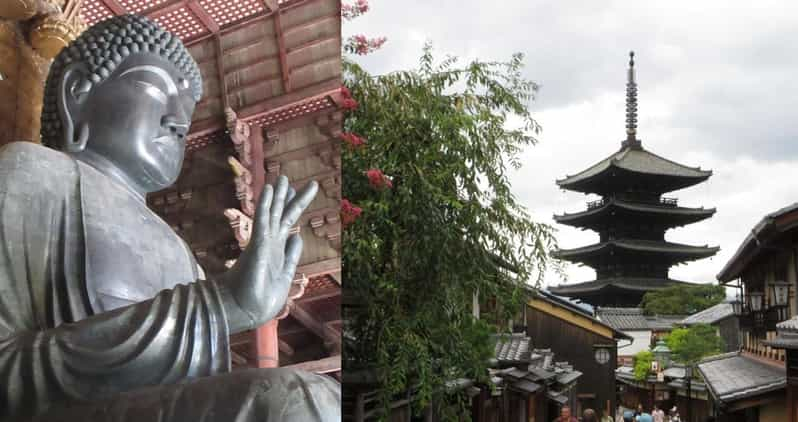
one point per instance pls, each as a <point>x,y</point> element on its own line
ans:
<point>349,11</point>
<point>378,180</point>
<point>361,45</point>
<point>352,140</point>
<point>349,212</point>
<point>348,103</point>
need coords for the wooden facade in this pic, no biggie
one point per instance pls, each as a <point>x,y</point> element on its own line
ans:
<point>575,336</point>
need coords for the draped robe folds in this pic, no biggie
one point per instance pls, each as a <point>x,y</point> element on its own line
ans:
<point>68,336</point>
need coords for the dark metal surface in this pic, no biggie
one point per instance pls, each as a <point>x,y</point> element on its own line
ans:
<point>103,309</point>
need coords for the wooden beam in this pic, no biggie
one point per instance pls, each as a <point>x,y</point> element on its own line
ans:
<point>262,108</point>
<point>164,9</point>
<point>272,5</point>
<point>320,267</point>
<point>317,295</point>
<point>248,64</point>
<point>314,325</point>
<point>115,7</point>
<point>254,82</point>
<point>238,359</point>
<point>307,24</point>
<point>203,16</point>
<point>278,31</point>
<point>321,366</point>
<point>220,70</point>
<point>286,348</point>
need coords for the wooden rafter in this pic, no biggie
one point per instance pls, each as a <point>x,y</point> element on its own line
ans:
<point>164,9</point>
<point>321,366</point>
<point>203,16</point>
<point>220,70</point>
<point>286,348</point>
<point>317,327</point>
<point>317,295</point>
<point>278,31</point>
<point>114,6</point>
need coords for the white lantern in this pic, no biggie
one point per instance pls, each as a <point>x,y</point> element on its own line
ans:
<point>781,292</point>
<point>737,306</point>
<point>756,300</point>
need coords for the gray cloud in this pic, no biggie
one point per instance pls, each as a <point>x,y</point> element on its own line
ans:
<point>717,89</point>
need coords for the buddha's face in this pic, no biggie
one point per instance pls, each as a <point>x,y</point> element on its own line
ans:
<point>137,119</point>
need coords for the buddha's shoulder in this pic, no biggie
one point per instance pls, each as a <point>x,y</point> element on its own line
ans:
<point>26,159</point>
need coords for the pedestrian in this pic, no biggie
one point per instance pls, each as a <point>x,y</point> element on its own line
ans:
<point>675,415</point>
<point>639,411</point>
<point>628,416</point>
<point>565,415</point>
<point>605,417</point>
<point>589,415</point>
<point>658,414</point>
<point>644,417</point>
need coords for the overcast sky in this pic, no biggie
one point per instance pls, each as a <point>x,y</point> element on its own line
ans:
<point>718,88</point>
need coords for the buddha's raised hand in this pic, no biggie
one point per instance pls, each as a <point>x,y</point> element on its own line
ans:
<point>256,287</point>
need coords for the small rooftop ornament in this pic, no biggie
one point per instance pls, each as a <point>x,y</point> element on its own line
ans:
<point>631,105</point>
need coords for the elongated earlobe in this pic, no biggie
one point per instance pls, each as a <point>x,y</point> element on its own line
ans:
<point>72,94</point>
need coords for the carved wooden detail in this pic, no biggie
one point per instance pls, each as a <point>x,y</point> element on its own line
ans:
<point>329,227</point>
<point>330,124</point>
<point>243,182</point>
<point>331,186</point>
<point>241,224</point>
<point>239,132</point>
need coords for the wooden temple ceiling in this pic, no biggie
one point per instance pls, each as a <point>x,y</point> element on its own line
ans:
<point>277,65</point>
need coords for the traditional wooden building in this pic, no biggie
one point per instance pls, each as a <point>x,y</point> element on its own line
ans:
<point>667,389</point>
<point>644,330</point>
<point>764,269</point>
<point>722,317</point>
<point>272,105</point>
<point>632,256</point>
<point>575,335</point>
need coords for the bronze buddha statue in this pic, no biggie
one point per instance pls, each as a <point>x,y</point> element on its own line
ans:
<point>104,313</point>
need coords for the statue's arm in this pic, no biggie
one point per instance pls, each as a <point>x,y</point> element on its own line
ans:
<point>179,334</point>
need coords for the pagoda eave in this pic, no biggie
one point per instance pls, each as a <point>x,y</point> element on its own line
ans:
<point>615,178</point>
<point>670,216</point>
<point>614,291</point>
<point>669,252</point>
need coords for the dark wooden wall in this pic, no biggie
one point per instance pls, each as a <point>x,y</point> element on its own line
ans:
<point>576,345</point>
<point>730,333</point>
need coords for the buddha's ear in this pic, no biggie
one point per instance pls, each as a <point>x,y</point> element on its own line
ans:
<point>73,91</point>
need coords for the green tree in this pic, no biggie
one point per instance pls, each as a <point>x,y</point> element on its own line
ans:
<point>689,345</point>
<point>643,361</point>
<point>681,299</point>
<point>430,218</point>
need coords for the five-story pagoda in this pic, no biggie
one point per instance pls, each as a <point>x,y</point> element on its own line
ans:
<point>632,256</point>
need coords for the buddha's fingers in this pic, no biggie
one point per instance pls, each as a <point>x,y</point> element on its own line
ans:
<point>298,205</point>
<point>278,203</point>
<point>293,251</point>
<point>261,225</point>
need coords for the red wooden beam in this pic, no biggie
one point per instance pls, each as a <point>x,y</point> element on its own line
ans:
<point>203,16</point>
<point>278,30</point>
<point>220,70</point>
<point>272,5</point>
<point>321,366</point>
<point>114,6</point>
<point>164,9</point>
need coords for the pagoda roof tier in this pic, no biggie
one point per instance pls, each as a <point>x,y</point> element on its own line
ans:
<point>663,211</point>
<point>654,250</point>
<point>620,291</point>
<point>634,168</point>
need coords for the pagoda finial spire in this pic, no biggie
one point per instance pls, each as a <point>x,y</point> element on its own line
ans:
<point>631,105</point>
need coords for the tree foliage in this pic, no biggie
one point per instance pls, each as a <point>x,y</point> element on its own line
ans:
<point>689,345</point>
<point>643,361</point>
<point>681,299</point>
<point>430,218</point>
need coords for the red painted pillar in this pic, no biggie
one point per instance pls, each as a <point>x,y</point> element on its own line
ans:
<point>267,348</point>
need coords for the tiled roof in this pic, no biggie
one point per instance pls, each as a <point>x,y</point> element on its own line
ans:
<point>512,348</point>
<point>634,319</point>
<point>625,283</point>
<point>710,315</point>
<point>638,161</point>
<point>613,203</point>
<point>787,337</point>
<point>655,246</point>
<point>733,376</point>
<point>771,226</point>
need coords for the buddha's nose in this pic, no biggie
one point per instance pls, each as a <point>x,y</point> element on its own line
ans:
<point>175,126</point>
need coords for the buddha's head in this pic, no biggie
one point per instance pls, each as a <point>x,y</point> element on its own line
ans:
<point>124,91</point>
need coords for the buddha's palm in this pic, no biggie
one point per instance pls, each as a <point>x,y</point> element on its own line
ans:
<point>261,277</point>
